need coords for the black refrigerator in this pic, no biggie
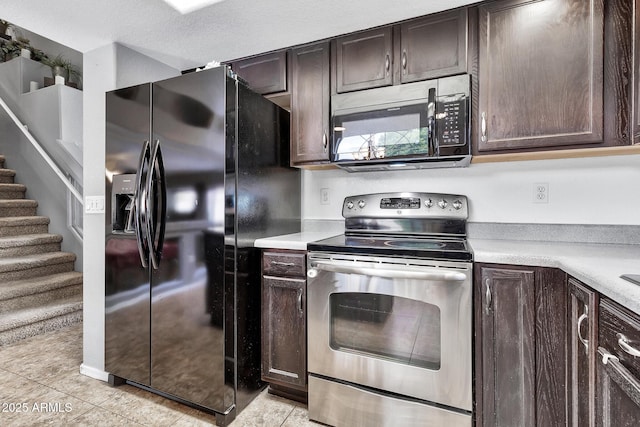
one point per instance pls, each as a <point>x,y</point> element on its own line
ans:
<point>197,168</point>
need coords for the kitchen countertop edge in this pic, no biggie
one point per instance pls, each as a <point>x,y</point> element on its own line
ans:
<point>597,265</point>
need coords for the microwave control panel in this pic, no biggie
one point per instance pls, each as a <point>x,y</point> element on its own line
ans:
<point>451,120</point>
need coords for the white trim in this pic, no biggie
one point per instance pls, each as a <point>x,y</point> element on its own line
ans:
<point>40,150</point>
<point>97,374</point>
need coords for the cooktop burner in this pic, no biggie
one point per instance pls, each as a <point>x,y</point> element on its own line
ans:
<point>419,225</point>
<point>396,246</point>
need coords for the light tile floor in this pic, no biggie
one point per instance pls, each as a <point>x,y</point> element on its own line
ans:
<point>40,384</point>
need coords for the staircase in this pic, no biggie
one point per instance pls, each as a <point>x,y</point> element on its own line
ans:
<point>39,289</point>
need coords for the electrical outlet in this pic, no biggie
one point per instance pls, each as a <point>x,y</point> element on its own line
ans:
<point>541,192</point>
<point>324,196</point>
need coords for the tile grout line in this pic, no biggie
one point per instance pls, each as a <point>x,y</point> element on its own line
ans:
<point>288,415</point>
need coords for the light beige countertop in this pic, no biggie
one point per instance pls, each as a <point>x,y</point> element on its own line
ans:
<point>295,241</point>
<point>597,265</point>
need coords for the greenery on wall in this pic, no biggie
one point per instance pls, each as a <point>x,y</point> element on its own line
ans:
<point>12,47</point>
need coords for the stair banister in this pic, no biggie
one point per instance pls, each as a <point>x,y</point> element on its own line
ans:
<point>42,152</point>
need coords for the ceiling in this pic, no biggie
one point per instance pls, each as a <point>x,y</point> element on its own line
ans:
<point>222,31</point>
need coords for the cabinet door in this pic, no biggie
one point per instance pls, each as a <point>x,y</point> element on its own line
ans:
<point>508,346</point>
<point>618,394</point>
<point>265,74</point>
<point>540,74</point>
<point>434,46</point>
<point>363,60</point>
<point>284,349</point>
<point>635,120</point>
<point>582,354</point>
<point>310,104</point>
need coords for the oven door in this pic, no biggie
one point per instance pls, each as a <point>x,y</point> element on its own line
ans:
<point>400,326</point>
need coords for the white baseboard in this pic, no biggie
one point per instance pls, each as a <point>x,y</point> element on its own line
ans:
<point>98,374</point>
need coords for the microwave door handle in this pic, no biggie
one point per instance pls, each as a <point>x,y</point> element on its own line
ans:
<point>431,122</point>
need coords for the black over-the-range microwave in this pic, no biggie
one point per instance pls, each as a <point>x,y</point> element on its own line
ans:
<point>410,126</point>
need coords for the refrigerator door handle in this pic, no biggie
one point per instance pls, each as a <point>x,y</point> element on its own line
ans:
<point>156,163</point>
<point>139,206</point>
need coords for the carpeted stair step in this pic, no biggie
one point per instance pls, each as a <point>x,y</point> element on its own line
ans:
<point>22,294</point>
<point>29,244</point>
<point>19,225</point>
<point>12,191</point>
<point>7,176</point>
<point>20,324</point>
<point>17,208</point>
<point>29,266</point>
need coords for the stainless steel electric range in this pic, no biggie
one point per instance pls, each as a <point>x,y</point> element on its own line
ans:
<point>389,314</point>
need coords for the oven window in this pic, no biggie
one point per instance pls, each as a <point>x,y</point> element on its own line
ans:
<point>386,327</point>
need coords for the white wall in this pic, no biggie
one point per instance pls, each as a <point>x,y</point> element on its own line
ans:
<point>105,69</point>
<point>598,190</point>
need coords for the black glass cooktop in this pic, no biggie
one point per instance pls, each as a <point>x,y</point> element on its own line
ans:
<point>396,246</point>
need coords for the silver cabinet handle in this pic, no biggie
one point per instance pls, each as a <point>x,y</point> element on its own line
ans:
<point>488,296</point>
<point>387,63</point>
<point>581,319</point>
<point>285,264</point>
<point>606,356</point>
<point>623,342</point>
<point>404,61</point>
<point>483,127</point>
<point>300,303</point>
<point>325,142</point>
<point>393,273</point>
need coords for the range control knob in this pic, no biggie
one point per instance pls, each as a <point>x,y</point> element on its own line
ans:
<point>428,203</point>
<point>349,204</point>
<point>442,203</point>
<point>361,204</point>
<point>457,204</point>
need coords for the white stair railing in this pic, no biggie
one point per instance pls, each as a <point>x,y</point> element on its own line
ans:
<point>65,180</point>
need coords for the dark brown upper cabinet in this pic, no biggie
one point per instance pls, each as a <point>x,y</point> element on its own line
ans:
<point>419,49</point>
<point>265,74</point>
<point>636,63</point>
<point>540,74</point>
<point>310,93</point>
<point>363,60</point>
<point>433,46</point>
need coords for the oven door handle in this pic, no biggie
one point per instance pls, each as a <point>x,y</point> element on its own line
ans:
<point>389,272</point>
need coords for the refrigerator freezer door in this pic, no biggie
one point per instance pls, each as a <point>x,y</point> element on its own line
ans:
<point>127,285</point>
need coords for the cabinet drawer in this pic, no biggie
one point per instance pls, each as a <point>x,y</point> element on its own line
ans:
<point>619,334</point>
<point>284,263</point>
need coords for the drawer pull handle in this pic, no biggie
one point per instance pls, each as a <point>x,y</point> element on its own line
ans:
<point>284,264</point>
<point>623,342</point>
<point>608,356</point>
<point>580,320</point>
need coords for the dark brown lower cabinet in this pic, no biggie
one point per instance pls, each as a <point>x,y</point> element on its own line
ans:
<point>583,329</point>
<point>520,343</point>
<point>284,326</point>
<point>618,372</point>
